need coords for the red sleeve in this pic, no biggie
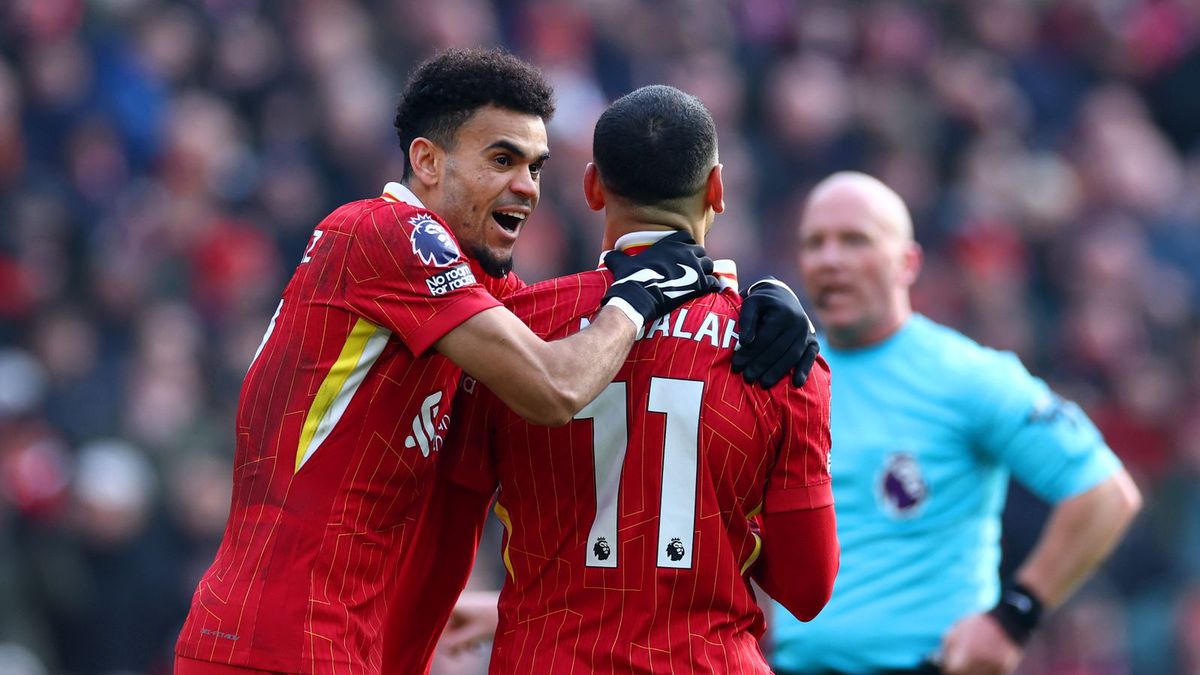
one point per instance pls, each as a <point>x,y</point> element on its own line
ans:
<point>799,559</point>
<point>467,457</point>
<point>434,570</point>
<point>406,273</point>
<point>800,477</point>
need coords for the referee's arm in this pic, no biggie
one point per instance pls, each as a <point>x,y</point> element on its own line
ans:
<point>1080,534</point>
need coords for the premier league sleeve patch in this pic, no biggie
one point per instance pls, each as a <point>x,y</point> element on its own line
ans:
<point>452,279</point>
<point>431,242</point>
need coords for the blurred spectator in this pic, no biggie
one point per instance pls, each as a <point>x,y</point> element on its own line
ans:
<point>120,573</point>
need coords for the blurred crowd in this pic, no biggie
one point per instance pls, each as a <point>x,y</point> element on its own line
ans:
<point>162,165</point>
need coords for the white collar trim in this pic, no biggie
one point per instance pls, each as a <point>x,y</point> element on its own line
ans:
<point>400,193</point>
<point>724,269</point>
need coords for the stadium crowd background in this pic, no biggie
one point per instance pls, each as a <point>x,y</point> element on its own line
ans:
<point>163,163</point>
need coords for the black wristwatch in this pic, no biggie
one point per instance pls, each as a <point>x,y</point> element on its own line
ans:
<point>1018,612</point>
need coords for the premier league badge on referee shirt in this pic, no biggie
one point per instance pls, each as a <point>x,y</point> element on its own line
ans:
<point>431,242</point>
<point>902,489</point>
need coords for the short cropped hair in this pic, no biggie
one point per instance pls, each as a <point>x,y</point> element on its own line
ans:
<point>655,144</point>
<point>443,93</point>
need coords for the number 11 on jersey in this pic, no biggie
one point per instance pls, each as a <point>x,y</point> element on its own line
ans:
<point>680,401</point>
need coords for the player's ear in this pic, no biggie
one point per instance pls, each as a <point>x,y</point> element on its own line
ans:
<point>593,191</point>
<point>714,190</point>
<point>425,158</point>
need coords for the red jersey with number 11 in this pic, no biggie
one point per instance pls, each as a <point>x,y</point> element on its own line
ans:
<point>630,530</point>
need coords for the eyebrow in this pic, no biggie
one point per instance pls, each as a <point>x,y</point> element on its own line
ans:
<point>516,150</point>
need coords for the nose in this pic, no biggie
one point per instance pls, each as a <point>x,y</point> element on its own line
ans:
<point>525,185</point>
<point>821,255</point>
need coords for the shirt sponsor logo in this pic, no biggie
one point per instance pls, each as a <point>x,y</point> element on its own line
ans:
<point>428,429</point>
<point>902,487</point>
<point>450,280</point>
<point>431,242</point>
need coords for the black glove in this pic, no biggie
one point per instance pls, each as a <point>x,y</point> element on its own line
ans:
<point>660,278</point>
<point>776,336</point>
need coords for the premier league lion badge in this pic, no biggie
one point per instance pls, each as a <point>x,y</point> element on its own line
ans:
<point>675,550</point>
<point>431,242</point>
<point>902,488</point>
<point>601,549</point>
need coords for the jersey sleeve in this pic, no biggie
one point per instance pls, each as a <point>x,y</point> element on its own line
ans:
<point>1048,442</point>
<point>800,478</point>
<point>406,273</point>
<point>467,458</point>
<point>800,559</point>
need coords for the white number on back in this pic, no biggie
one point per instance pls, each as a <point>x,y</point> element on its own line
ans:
<point>680,401</point>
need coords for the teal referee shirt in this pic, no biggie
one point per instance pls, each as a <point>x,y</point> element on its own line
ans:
<point>927,427</point>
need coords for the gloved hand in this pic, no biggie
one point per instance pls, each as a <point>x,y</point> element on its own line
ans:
<point>660,278</point>
<point>776,336</point>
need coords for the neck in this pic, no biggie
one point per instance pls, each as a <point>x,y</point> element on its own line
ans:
<point>620,221</point>
<point>420,192</point>
<point>861,337</point>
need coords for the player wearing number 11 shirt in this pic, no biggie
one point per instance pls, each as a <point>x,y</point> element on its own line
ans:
<point>632,531</point>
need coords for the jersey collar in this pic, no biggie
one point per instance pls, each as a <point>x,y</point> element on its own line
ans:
<point>398,192</point>
<point>724,269</point>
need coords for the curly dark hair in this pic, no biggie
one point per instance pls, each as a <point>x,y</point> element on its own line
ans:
<point>655,144</point>
<point>443,93</point>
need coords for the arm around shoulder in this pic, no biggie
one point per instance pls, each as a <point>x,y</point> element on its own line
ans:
<point>546,383</point>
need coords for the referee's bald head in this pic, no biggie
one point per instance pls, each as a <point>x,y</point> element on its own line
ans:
<point>857,258</point>
<point>878,201</point>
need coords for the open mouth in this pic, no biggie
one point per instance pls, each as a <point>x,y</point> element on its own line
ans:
<point>833,294</point>
<point>510,221</point>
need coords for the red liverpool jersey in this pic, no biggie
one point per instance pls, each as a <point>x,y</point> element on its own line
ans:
<point>339,417</point>
<point>630,530</point>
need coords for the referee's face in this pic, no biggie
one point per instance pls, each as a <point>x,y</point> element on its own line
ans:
<point>855,267</point>
<point>491,182</point>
